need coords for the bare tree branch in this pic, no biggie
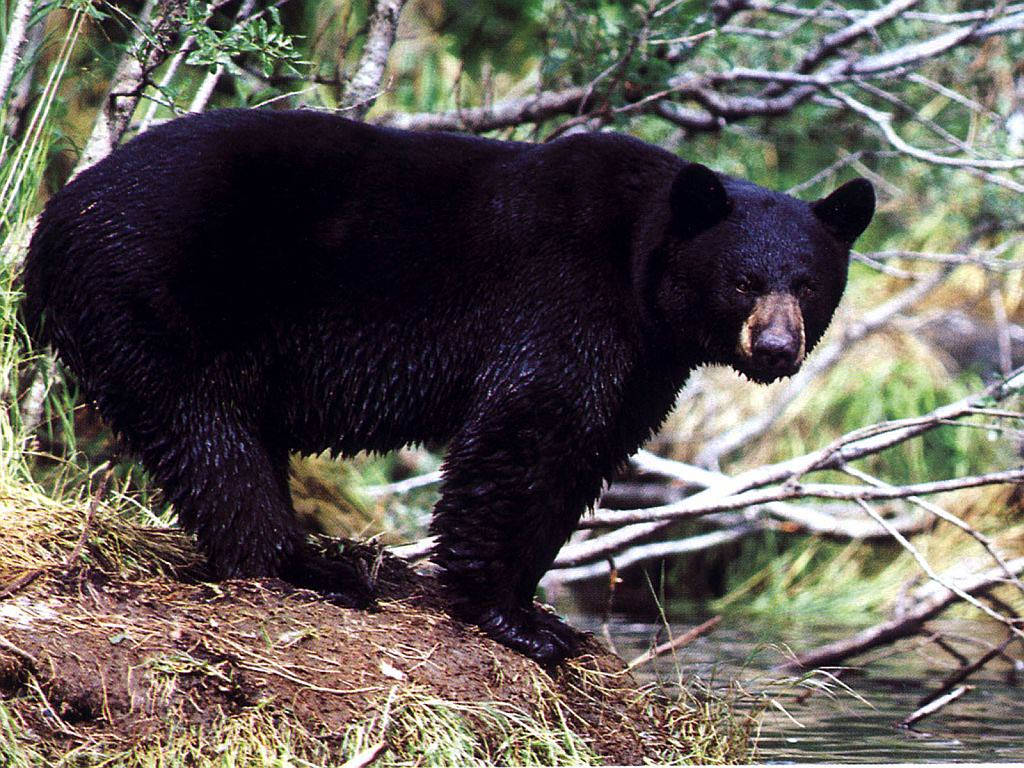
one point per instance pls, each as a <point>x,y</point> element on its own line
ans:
<point>987,259</point>
<point>402,486</point>
<point>946,516</point>
<point>934,706</point>
<point>643,552</point>
<point>852,14</point>
<point>502,114</point>
<point>866,24</point>
<point>935,577</point>
<point>884,121</point>
<point>696,507</point>
<point>364,87</point>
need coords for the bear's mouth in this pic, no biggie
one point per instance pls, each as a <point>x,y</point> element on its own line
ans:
<point>761,375</point>
<point>771,343</point>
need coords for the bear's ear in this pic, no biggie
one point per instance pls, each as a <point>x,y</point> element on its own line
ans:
<point>847,211</point>
<point>698,200</point>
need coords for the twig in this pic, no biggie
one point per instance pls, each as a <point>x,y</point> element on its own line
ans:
<point>642,552</point>
<point>933,707</point>
<point>402,486</point>
<point>946,516</point>
<point>89,515</point>
<point>205,89</point>
<point>168,75</point>
<point>987,259</point>
<point>884,122</point>
<point>935,577</point>
<point>613,583</point>
<point>675,644</point>
<point>848,14</point>
<point>366,757</point>
<point>962,674</point>
<point>21,582</point>
<point>826,173</point>
<point>24,655</point>
<point>415,550</point>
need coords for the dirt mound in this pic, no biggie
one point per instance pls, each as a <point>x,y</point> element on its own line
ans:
<point>109,665</point>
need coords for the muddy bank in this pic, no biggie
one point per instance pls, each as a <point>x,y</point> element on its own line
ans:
<point>99,662</point>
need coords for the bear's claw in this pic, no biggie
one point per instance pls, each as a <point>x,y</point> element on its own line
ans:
<point>533,632</point>
<point>344,582</point>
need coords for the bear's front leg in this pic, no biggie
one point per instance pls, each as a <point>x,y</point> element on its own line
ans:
<point>515,486</point>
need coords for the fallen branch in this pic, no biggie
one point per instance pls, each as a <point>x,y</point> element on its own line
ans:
<point>937,599</point>
<point>27,658</point>
<point>851,446</point>
<point>94,504</point>
<point>696,507</point>
<point>402,486</point>
<point>675,644</point>
<point>933,707</point>
<point>962,674</point>
<point>642,552</point>
<point>948,517</point>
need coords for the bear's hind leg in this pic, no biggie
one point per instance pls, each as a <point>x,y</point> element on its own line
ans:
<point>229,485</point>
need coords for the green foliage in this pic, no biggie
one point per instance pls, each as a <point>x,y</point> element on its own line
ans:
<point>628,48</point>
<point>261,37</point>
<point>503,34</point>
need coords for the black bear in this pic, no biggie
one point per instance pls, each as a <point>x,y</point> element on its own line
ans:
<point>232,287</point>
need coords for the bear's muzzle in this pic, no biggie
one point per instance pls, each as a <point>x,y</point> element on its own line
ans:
<point>772,341</point>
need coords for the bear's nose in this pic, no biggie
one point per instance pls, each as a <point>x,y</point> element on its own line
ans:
<point>776,350</point>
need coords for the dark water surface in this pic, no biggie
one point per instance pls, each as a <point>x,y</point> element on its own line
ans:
<point>857,725</point>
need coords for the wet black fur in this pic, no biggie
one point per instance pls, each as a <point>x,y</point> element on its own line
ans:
<point>235,286</point>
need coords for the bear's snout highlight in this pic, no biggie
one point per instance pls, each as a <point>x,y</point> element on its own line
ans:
<point>772,340</point>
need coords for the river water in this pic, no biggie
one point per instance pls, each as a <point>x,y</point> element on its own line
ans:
<point>855,721</point>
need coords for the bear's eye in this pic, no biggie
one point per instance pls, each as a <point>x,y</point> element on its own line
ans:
<point>744,284</point>
<point>804,289</point>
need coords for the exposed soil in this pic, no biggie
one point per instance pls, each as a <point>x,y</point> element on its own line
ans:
<point>118,658</point>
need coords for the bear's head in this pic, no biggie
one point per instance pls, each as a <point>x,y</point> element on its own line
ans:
<point>748,277</point>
